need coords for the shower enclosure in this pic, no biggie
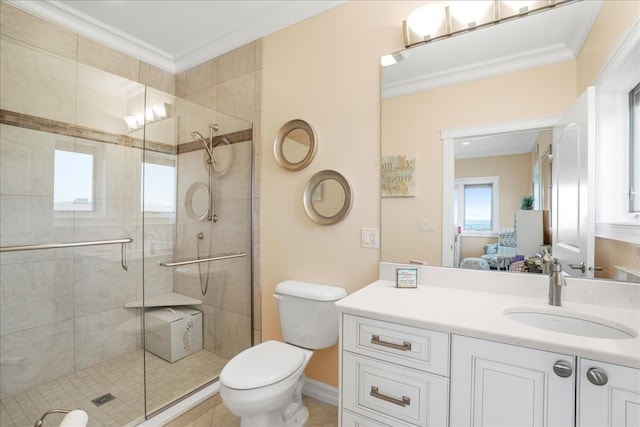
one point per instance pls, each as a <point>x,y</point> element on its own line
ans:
<point>118,230</point>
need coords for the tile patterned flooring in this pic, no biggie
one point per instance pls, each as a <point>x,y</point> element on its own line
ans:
<point>123,377</point>
<point>213,413</point>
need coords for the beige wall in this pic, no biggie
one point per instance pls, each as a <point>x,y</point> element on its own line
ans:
<point>326,70</point>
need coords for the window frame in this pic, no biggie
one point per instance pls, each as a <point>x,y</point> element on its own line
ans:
<point>459,186</point>
<point>79,148</point>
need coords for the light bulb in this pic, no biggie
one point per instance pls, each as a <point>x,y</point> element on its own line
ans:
<point>470,12</point>
<point>427,20</point>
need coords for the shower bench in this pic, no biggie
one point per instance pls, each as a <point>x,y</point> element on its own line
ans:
<point>164,300</point>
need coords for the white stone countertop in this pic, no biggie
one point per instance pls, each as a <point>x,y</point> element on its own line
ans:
<point>480,314</point>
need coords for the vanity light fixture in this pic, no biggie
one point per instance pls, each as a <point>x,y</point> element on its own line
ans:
<point>435,21</point>
<point>151,114</point>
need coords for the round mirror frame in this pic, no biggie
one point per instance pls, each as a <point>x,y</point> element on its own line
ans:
<point>278,144</point>
<point>189,199</point>
<point>310,189</point>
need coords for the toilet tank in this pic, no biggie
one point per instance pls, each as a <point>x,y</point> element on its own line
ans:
<point>308,317</point>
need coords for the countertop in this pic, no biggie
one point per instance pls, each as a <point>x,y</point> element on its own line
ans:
<point>480,314</point>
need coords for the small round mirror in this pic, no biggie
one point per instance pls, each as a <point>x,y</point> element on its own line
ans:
<point>327,197</point>
<point>295,145</point>
<point>196,201</point>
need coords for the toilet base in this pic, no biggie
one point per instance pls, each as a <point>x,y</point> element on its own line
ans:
<point>276,418</point>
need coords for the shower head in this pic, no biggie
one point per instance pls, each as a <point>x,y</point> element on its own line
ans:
<point>197,135</point>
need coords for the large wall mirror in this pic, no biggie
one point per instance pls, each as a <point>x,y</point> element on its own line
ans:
<point>430,92</point>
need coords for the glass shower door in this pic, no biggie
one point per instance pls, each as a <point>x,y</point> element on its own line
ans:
<point>70,234</point>
<point>197,208</point>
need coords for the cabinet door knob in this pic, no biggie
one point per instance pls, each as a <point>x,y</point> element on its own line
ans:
<point>597,376</point>
<point>563,369</point>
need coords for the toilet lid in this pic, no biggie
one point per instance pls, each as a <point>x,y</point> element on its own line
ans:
<point>262,365</point>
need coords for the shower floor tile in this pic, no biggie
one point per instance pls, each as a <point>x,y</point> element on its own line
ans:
<point>123,377</point>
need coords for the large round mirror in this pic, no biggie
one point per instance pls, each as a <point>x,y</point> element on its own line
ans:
<point>295,145</point>
<point>327,197</point>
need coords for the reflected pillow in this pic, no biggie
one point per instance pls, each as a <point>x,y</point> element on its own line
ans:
<point>491,248</point>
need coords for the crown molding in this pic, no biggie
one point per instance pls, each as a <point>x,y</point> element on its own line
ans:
<point>65,16</point>
<point>480,70</point>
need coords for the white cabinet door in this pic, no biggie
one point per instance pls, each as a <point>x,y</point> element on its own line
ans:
<point>609,395</point>
<point>494,384</point>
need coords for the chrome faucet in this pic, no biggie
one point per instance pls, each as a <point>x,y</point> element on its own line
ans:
<point>556,282</point>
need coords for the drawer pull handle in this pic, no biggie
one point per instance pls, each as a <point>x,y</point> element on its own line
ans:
<point>406,401</point>
<point>405,346</point>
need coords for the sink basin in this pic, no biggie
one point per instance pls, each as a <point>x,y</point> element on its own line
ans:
<point>569,322</point>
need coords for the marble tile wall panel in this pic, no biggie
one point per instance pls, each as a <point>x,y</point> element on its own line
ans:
<point>103,100</point>
<point>35,356</point>
<point>103,57</point>
<point>208,327</point>
<point>37,32</point>
<point>100,283</point>
<point>236,63</point>
<point>26,161</point>
<point>234,226</point>
<point>155,77</point>
<point>233,333</point>
<point>35,294</point>
<point>201,76</point>
<point>230,286</point>
<point>237,96</point>
<point>105,335</point>
<point>39,83</point>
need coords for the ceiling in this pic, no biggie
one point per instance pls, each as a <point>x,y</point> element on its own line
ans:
<point>175,35</point>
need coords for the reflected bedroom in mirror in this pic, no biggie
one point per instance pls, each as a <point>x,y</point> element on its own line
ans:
<point>492,138</point>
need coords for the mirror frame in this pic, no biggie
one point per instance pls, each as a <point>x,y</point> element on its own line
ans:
<point>188,200</point>
<point>281,136</point>
<point>310,189</point>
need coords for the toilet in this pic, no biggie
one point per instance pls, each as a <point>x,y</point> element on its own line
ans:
<point>263,384</point>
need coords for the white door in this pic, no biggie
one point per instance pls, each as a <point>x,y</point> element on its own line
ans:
<point>573,187</point>
<point>501,385</point>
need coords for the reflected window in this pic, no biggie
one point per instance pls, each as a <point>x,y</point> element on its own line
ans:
<point>159,184</point>
<point>634,150</point>
<point>73,181</point>
<point>476,205</point>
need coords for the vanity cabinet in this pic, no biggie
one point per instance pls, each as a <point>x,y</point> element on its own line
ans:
<point>393,375</point>
<point>609,395</point>
<point>500,384</point>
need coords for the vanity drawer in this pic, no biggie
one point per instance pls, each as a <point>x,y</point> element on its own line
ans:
<point>349,419</point>
<point>387,392</point>
<point>405,345</point>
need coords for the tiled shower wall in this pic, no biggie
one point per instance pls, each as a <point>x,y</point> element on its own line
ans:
<point>229,83</point>
<point>232,83</point>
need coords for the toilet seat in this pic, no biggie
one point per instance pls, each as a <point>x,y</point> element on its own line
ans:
<point>262,365</point>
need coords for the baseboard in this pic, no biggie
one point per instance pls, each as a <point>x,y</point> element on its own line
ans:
<point>321,391</point>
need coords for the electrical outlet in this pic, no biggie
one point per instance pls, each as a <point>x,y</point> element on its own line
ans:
<point>370,238</point>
